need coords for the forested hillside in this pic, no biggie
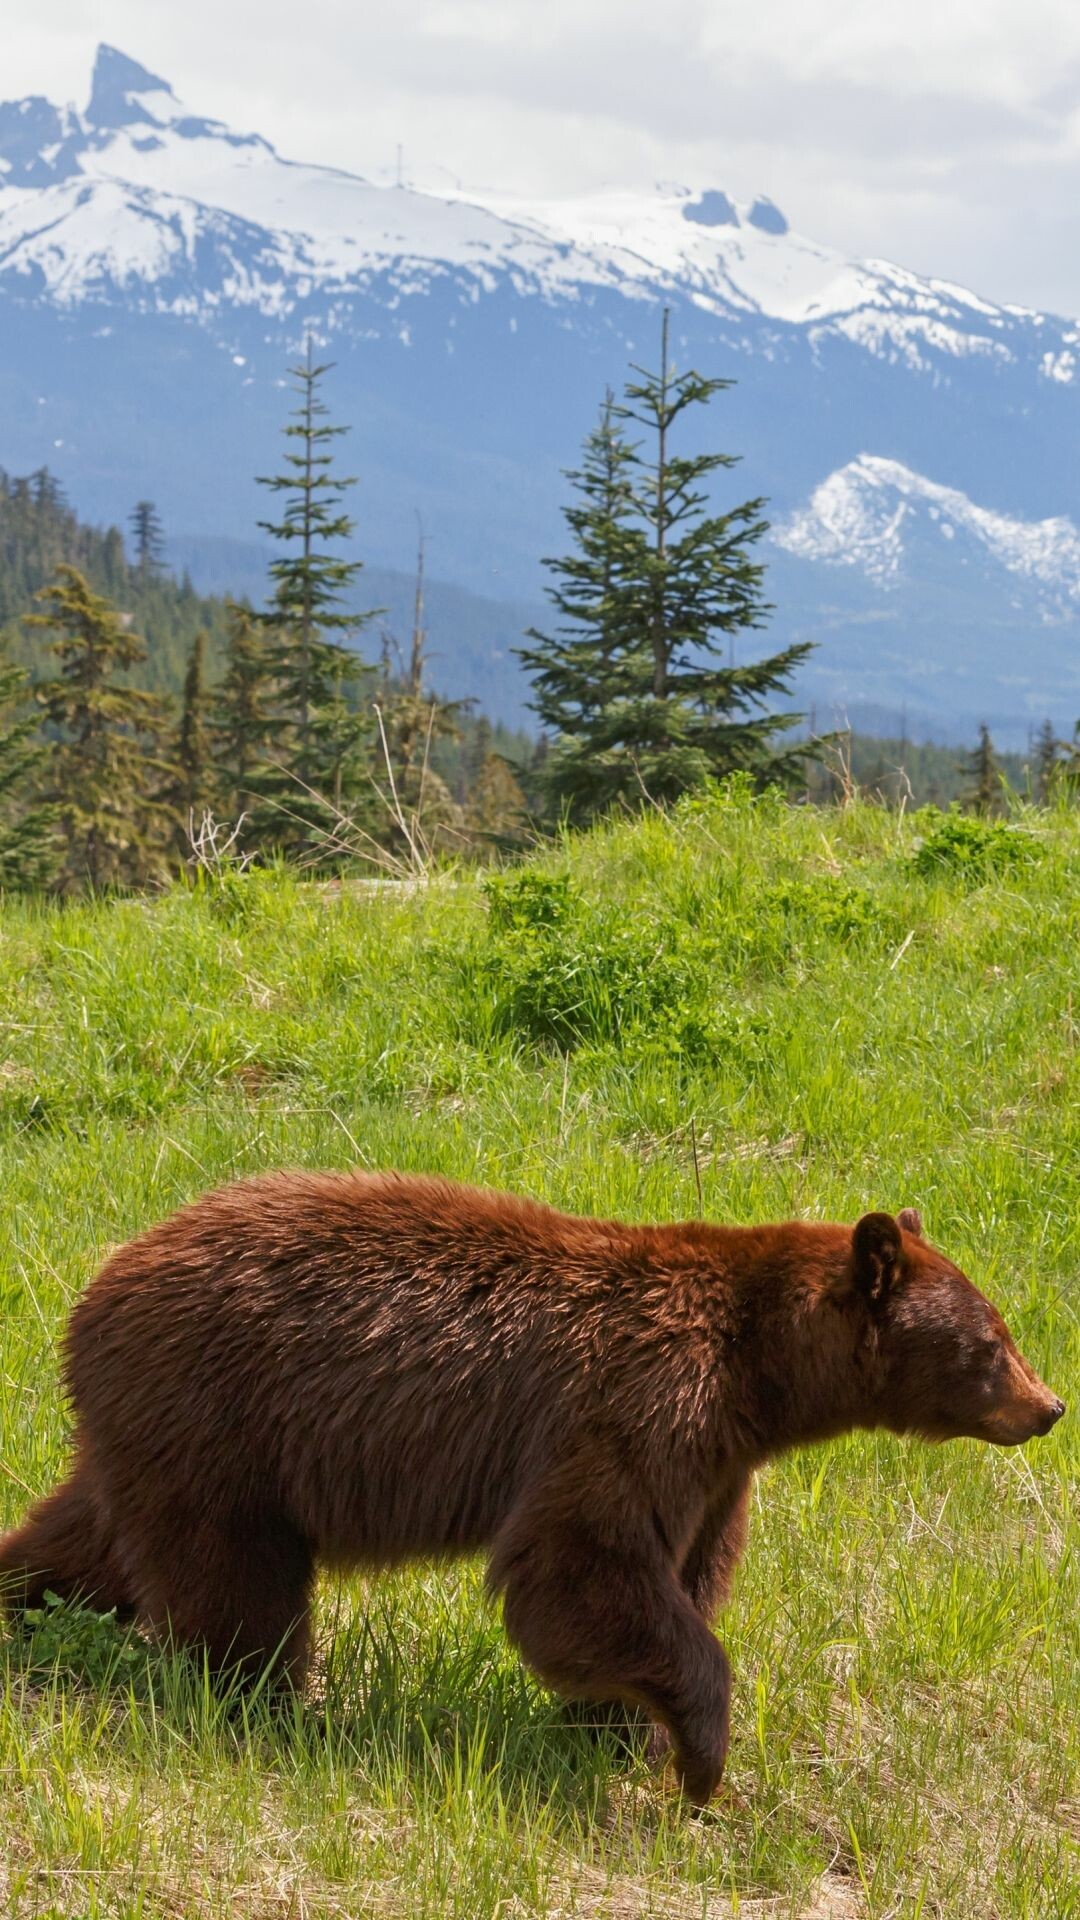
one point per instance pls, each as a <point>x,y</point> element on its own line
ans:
<point>40,531</point>
<point>212,734</point>
<point>131,706</point>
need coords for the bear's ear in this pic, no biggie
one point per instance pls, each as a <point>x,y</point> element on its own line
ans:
<point>911,1220</point>
<point>875,1254</point>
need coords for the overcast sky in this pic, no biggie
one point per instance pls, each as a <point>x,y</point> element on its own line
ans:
<point>944,134</point>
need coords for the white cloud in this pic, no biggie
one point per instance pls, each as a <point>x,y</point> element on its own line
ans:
<point>944,133</point>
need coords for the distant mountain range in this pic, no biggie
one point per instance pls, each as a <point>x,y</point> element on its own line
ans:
<point>918,444</point>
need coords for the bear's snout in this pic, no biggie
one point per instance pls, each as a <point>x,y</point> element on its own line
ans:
<point>1028,1411</point>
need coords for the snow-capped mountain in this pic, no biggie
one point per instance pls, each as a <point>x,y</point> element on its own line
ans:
<point>876,517</point>
<point>131,197</point>
<point>157,270</point>
<point>934,602</point>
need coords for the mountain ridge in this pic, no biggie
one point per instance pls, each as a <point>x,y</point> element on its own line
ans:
<point>725,251</point>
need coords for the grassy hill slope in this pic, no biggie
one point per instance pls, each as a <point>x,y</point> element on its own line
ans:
<point>854,1010</point>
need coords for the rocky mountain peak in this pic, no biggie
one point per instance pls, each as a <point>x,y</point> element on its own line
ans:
<point>119,92</point>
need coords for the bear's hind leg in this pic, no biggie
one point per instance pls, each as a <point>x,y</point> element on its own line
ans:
<point>65,1546</point>
<point>237,1591</point>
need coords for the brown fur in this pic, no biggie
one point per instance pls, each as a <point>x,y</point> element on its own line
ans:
<point>362,1369</point>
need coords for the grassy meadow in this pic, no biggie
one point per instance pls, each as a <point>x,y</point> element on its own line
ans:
<point>803,1012</point>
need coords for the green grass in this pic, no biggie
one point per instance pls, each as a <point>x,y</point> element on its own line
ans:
<point>854,1011</point>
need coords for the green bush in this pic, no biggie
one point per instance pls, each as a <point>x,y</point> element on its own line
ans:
<point>821,907</point>
<point>560,971</point>
<point>964,844</point>
<point>526,901</point>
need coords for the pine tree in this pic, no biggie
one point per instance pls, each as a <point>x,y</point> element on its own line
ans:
<point>192,789</point>
<point>583,673</point>
<point>1068,771</point>
<point>981,767</point>
<point>105,775</point>
<point>496,810</point>
<point>321,744</point>
<point>634,687</point>
<point>149,540</point>
<point>243,723</point>
<point>29,846</point>
<point>1047,762</point>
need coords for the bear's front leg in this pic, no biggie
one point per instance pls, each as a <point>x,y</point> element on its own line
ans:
<point>707,1571</point>
<point>715,1552</point>
<point>597,1619</point>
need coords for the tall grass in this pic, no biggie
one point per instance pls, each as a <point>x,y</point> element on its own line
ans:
<point>829,1011</point>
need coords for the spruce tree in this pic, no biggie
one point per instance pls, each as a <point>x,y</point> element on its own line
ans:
<point>1048,762</point>
<point>106,773</point>
<point>192,789</point>
<point>38,531</point>
<point>477,742</point>
<point>29,846</point>
<point>635,686</point>
<point>583,673</point>
<point>983,793</point>
<point>149,540</point>
<point>321,743</point>
<point>243,724</point>
<point>1068,771</point>
<point>496,810</point>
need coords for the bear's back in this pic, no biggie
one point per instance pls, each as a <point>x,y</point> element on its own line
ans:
<point>359,1338</point>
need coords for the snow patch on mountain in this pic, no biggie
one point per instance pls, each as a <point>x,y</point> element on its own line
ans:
<point>867,514</point>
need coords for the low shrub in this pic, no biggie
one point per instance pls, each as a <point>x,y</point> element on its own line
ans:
<point>970,847</point>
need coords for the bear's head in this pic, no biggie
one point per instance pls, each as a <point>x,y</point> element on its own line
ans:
<point>949,1367</point>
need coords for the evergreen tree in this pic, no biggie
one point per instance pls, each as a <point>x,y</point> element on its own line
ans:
<point>1047,762</point>
<point>496,812</point>
<point>983,793</point>
<point>1068,772</point>
<point>478,746</point>
<point>105,775</point>
<point>38,532</point>
<point>583,674</point>
<point>29,847</point>
<point>634,686</point>
<point>47,493</point>
<point>149,539</point>
<point>321,742</point>
<point>243,723</point>
<point>192,789</point>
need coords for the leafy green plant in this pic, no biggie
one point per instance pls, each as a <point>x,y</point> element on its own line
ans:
<point>62,1637</point>
<point>529,900</point>
<point>969,846</point>
<point>824,906</point>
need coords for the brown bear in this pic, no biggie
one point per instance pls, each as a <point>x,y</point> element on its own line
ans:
<point>360,1369</point>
